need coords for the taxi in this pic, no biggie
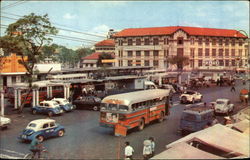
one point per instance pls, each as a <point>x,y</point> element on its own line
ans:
<point>43,128</point>
<point>47,107</point>
<point>64,104</point>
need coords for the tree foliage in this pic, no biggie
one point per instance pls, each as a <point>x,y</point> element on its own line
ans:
<point>179,61</point>
<point>26,37</point>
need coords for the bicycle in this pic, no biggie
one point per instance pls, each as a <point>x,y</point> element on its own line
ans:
<point>44,154</point>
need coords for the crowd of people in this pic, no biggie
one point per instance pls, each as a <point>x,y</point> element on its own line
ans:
<point>148,149</point>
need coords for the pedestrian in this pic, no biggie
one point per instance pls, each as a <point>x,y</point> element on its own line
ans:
<point>147,151</point>
<point>128,151</point>
<point>205,104</point>
<point>35,147</point>
<point>152,146</point>
<point>233,88</point>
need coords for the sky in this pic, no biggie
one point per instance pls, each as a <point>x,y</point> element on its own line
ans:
<point>97,17</point>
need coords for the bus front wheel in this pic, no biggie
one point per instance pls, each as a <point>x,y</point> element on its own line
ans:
<point>141,124</point>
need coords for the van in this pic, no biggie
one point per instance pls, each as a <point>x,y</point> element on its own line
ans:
<point>196,118</point>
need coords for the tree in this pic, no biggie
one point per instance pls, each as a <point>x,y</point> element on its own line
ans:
<point>49,51</point>
<point>30,33</point>
<point>83,52</point>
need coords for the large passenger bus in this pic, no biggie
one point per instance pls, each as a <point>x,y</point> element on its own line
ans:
<point>134,109</point>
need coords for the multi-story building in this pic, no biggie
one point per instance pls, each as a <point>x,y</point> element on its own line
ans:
<point>105,46</point>
<point>208,49</point>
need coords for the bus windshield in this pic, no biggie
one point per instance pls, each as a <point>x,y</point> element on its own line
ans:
<point>114,107</point>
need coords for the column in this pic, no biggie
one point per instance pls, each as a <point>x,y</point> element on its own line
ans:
<point>48,92</point>
<point>160,80</point>
<point>15,98</point>
<point>2,103</point>
<point>33,98</point>
<point>37,96</point>
<point>68,92</point>
<point>19,97</point>
<point>65,94</point>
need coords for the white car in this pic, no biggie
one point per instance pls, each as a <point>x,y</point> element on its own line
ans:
<point>64,104</point>
<point>191,97</point>
<point>223,106</point>
<point>4,122</point>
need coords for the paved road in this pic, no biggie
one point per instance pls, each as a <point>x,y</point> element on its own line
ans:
<point>84,137</point>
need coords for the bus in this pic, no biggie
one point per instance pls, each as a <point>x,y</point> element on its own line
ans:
<point>134,109</point>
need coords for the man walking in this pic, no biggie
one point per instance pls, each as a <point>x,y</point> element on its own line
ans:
<point>233,88</point>
<point>128,151</point>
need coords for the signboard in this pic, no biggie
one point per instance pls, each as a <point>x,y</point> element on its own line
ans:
<point>109,60</point>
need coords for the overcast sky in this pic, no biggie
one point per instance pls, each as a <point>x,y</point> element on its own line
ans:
<point>97,17</point>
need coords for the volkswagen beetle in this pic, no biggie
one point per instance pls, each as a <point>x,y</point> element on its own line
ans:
<point>64,104</point>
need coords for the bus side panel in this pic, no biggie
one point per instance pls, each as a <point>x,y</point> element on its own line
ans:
<point>155,112</point>
<point>133,119</point>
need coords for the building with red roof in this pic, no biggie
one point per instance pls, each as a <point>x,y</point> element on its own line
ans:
<point>208,49</point>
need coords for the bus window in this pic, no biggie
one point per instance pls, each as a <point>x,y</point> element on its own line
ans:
<point>123,108</point>
<point>113,106</point>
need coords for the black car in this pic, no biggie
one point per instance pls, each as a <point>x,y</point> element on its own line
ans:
<point>88,102</point>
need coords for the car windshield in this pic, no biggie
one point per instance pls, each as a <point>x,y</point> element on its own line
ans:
<point>55,104</point>
<point>33,125</point>
<point>65,101</point>
<point>97,99</point>
<point>189,92</point>
<point>220,102</point>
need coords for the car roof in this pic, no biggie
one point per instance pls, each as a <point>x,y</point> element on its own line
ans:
<point>222,99</point>
<point>42,121</point>
<point>59,99</point>
<point>198,109</point>
<point>49,102</point>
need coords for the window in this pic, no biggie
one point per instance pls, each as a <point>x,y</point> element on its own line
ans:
<point>138,41</point>
<point>226,42</point>
<point>180,40</point>
<point>200,52</point>
<point>207,52</point>
<point>220,42</point>
<point>240,63</point>
<point>52,124</point>
<point>130,42</point>
<point>233,42</point>
<point>227,63</point>
<point>227,52</point>
<point>155,41</point>
<point>240,52</point>
<point>166,41</point>
<point>233,52</point>
<point>214,52</point>
<point>233,62</point>
<point>214,42</point>
<point>129,62</point>
<point>46,125</point>
<point>220,52</point>
<point>13,79</point>
<point>130,53</point>
<point>192,40</point>
<point>200,63</point>
<point>156,53</point>
<point>221,63</point>
<point>200,41</point>
<point>240,43</point>
<point>155,63</point>
<point>146,41</point>
<point>138,63</point>
<point>138,53</point>
<point>207,41</point>
<point>192,52</point>
<point>146,63</point>
<point>146,53</point>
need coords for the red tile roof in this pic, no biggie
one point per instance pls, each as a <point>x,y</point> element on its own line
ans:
<point>170,30</point>
<point>95,56</point>
<point>107,42</point>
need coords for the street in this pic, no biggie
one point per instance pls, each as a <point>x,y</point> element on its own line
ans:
<point>85,139</point>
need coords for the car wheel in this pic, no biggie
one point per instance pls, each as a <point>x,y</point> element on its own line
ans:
<point>161,118</point>
<point>141,124</point>
<point>60,133</point>
<point>40,138</point>
<point>50,114</point>
<point>34,111</point>
<point>95,108</point>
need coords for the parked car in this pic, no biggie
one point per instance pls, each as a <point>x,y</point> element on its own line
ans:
<point>44,128</point>
<point>88,102</point>
<point>47,107</point>
<point>64,104</point>
<point>196,118</point>
<point>4,122</point>
<point>223,106</point>
<point>191,97</point>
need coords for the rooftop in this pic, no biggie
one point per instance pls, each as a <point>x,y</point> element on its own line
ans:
<point>195,31</point>
<point>107,42</point>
